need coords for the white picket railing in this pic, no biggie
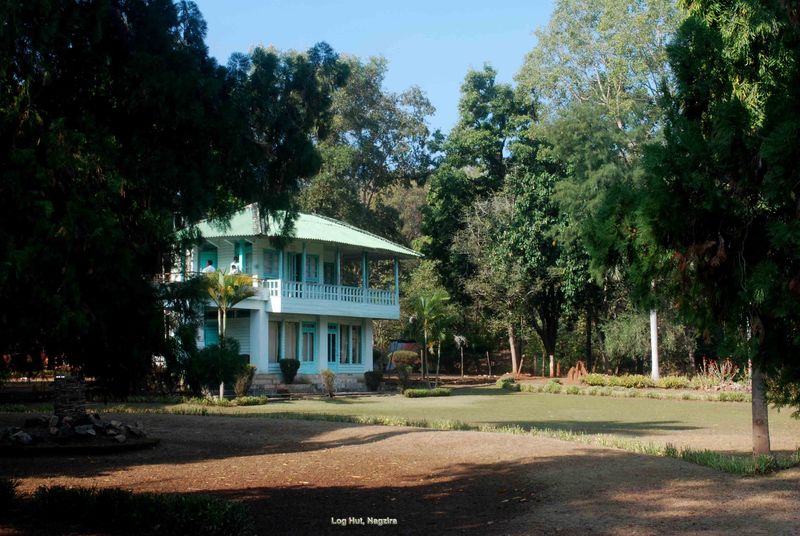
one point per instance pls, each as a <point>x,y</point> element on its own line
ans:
<point>317,291</point>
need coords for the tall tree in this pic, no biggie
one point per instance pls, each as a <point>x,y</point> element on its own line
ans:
<point>474,166</point>
<point>722,191</point>
<point>116,129</point>
<point>378,140</point>
<point>598,69</point>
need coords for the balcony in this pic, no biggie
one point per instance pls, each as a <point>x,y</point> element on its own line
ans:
<point>314,298</point>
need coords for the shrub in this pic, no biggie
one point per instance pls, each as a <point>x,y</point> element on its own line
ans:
<point>403,372</point>
<point>244,381</point>
<point>328,376</point>
<point>213,365</point>
<point>599,380</point>
<point>250,401</point>
<point>573,390</point>
<point>637,381</point>
<point>552,387</point>
<point>404,357</point>
<point>289,368</point>
<point>8,490</point>
<point>508,383</point>
<point>373,379</point>
<point>734,397</point>
<point>102,510</point>
<point>673,382</point>
<point>423,393</point>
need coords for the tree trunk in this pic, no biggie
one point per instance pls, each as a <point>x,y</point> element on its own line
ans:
<point>425,354</point>
<point>438,360</point>
<point>221,390</point>
<point>462,362</point>
<point>760,414</point>
<point>489,362</point>
<point>512,343</point>
<point>589,356</point>
<point>552,371</point>
<point>654,344</point>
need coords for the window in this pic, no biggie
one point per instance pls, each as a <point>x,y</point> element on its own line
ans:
<point>356,344</point>
<point>332,345</point>
<point>269,269</point>
<point>274,342</point>
<point>312,268</point>
<point>309,336</point>
<point>293,264</point>
<point>344,341</point>
<point>292,333</point>
<point>329,273</point>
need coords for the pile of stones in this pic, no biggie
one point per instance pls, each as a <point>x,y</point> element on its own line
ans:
<point>70,422</point>
<point>88,427</point>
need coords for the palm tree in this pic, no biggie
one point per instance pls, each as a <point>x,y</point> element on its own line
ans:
<point>461,342</point>
<point>431,311</point>
<point>226,290</point>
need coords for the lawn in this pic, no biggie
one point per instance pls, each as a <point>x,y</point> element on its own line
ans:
<point>721,426</point>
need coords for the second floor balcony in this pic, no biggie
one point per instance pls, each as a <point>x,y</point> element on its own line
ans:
<point>314,298</point>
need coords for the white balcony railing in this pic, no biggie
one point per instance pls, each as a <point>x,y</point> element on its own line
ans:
<point>316,291</point>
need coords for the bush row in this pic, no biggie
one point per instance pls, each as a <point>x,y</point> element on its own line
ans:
<point>423,393</point>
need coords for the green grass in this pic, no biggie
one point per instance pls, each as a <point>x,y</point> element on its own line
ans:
<point>636,424</point>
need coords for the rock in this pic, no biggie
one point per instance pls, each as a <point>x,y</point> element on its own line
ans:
<point>54,421</point>
<point>113,430</point>
<point>85,430</point>
<point>135,431</point>
<point>121,438</point>
<point>22,438</point>
<point>65,432</point>
<point>36,422</point>
<point>54,430</point>
<point>116,424</point>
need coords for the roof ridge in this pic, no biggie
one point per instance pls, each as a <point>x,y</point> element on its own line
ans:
<point>360,230</point>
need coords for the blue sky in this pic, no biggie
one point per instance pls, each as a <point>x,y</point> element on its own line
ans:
<point>430,44</point>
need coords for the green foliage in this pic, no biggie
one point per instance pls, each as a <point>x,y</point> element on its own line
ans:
<point>215,364</point>
<point>126,512</point>
<point>328,377</point>
<point>223,402</point>
<point>244,381</point>
<point>553,387</point>
<point>377,140</point>
<point>289,368</point>
<point>373,379</point>
<point>118,127</point>
<point>673,382</point>
<point>403,373</point>
<point>508,383</point>
<point>636,381</point>
<point>720,190</point>
<point>627,340</point>
<point>425,393</point>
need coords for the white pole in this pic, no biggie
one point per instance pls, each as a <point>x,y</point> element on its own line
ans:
<point>654,344</point>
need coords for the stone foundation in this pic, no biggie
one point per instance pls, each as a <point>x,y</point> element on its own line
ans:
<point>265,384</point>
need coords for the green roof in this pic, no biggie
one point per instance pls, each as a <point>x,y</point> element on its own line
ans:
<point>306,227</point>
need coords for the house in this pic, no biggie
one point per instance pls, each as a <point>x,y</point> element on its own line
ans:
<point>316,296</point>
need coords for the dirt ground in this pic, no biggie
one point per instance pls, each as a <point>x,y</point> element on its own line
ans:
<point>300,477</point>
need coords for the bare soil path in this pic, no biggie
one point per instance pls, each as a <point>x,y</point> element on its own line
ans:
<point>301,476</point>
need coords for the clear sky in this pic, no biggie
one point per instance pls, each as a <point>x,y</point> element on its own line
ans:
<point>430,43</point>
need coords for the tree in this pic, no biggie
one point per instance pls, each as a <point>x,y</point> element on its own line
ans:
<point>474,166</point>
<point>598,69</point>
<point>377,141</point>
<point>721,192</point>
<point>226,290</point>
<point>117,130</point>
<point>431,315</point>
